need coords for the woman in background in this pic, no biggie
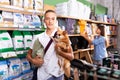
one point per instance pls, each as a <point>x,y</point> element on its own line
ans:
<point>99,43</point>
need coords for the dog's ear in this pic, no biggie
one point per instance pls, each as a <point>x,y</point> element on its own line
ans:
<point>65,32</point>
<point>58,29</point>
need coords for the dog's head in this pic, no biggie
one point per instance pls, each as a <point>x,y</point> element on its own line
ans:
<point>61,34</point>
<point>62,39</point>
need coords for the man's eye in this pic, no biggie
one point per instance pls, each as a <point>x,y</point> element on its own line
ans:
<point>53,18</point>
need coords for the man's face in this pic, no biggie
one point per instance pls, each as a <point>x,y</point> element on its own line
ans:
<point>50,19</point>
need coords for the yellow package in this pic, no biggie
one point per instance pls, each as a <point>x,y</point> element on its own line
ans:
<point>82,25</point>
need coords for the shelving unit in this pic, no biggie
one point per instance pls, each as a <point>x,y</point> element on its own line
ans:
<point>10,8</point>
<point>14,9</point>
<point>94,22</point>
<point>89,21</point>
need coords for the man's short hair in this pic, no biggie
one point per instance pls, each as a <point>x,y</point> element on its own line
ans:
<point>49,11</point>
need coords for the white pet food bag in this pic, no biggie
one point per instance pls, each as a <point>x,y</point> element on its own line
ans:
<point>36,21</point>
<point>28,75</point>
<point>27,38</point>
<point>17,3</point>
<point>5,2</point>
<point>18,40</point>
<point>3,70</point>
<point>14,68</point>
<point>25,65</point>
<point>28,4</point>
<point>27,21</point>
<point>38,5</point>
<point>6,42</point>
<point>6,49</point>
<point>18,20</point>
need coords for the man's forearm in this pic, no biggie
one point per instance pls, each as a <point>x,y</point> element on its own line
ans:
<point>29,55</point>
<point>68,55</point>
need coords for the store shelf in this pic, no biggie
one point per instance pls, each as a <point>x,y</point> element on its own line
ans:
<point>21,29</point>
<point>8,28</point>
<point>99,22</point>
<point>82,50</point>
<point>73,35</point>
<point>26,29</point>
<point>112,35</point>
<point>14,9</point>
<point>89,21</point>
<point>60,16</point>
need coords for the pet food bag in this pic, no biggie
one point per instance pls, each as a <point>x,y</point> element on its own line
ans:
<point>18,40</point>
<point>3,70</point>
<point>6,42</point>
<point>6,49</point>
<point>14,68</point>
<point>25,65</point>
<point>27,39</point>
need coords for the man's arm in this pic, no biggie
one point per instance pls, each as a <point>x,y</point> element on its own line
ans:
<point>68,55</point>
<point>36,61</point>
<point>29,55</point>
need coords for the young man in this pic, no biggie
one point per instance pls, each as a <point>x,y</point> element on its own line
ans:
<point>49,68</point>
<point>100,45</point>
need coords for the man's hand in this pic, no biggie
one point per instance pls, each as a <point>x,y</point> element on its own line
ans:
<point>37,61</point>
<point>68,55</point>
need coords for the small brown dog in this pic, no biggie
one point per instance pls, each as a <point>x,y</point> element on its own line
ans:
<point>63,42</point>
<point>62,39</point>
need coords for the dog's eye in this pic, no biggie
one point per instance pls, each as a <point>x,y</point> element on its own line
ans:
<point>58,34</point>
